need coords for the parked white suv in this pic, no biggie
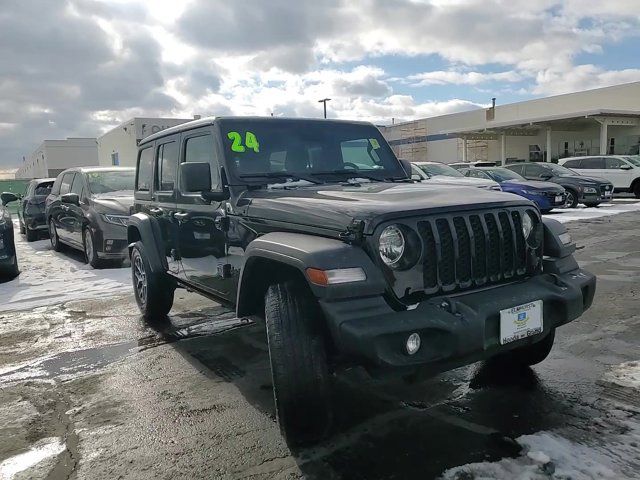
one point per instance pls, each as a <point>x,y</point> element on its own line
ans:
<point>621,170</point>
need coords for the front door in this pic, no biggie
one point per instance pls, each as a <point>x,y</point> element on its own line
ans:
<point>61,214</point>
<point>202,236</point>
<point>617,175</point>
<point>76,213</point>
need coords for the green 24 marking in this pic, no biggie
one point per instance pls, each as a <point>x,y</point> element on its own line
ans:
<point>250,141</point>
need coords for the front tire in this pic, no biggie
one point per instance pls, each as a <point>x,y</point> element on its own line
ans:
<point>572,199</point>
<point>32,235</point>
<point>299,369</point>
<point>636,189</point>
<point>592,204</point>
<point>531,354</point>
<point>53,237</point>
<point>90,252</point>
<point>12,271</point>
<point>153,291</point>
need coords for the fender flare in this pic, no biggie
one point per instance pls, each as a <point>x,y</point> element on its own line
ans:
<point>553,245</point>
<point>299,252</point>
<point>144,228</point>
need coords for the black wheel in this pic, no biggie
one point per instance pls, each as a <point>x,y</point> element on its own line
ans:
<point>636,189</point>
<point>90,252</point>
<point>53,237</point>
<point>32,235</point>
<point>301,384</point>
<point>12,271</point>
<point>153,291</point>
<point>572,199</point>
<point>23,230</point>
<point>531,354</point>
<point>592,204</point>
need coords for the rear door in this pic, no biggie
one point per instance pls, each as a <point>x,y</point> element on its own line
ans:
<point>60,211</point>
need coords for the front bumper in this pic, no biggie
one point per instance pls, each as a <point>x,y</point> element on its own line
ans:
<point>111,241</point>
<point>547,202</point>
<point>455,330</point>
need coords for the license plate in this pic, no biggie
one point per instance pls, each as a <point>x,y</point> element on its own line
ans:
<point>201,235</point>
<point>607,194</point>
<point>520,322</point>
<point>558,198</point>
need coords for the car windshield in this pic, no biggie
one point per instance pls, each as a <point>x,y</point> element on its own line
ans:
<point>319,151</point>
<point>502,174</point>
<point>635,160</point>
<point>435,169</point>
<point>111,181</point>
<point>560,170</point>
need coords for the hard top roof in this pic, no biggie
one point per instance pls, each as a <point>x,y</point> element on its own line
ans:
<point>211,120</point>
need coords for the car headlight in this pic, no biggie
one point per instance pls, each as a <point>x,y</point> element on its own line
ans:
<point>116,219</point>
<point>391,245</point>
<point>589,190</point>
<point>527,225</point>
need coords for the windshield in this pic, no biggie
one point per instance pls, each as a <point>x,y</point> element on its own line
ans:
<point>560,170</point>
<point>435,169</point>
<point>635,160</point>
<point>111,181</point>
<point>317,150</point>
<point>502,174</point>
<point>43,188</point>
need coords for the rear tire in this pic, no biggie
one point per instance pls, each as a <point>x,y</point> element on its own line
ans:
<point>592,204</point>
<point>153,291</point>
<point>12,271</point>
<point>531,354</point>
<point>32,235</point>
<point>572,199</point>
<point>299,369</point>
<point>53,237</point>
<point>636,189</point>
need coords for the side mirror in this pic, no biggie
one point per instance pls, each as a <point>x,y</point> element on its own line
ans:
<point>7,197</point>
<point>625,166</point>
<point>70,198</point>
<point>416,177</point>
<point>545,176</point>
<point>195,177</point>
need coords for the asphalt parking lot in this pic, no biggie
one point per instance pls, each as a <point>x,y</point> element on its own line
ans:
<point>89,390</point>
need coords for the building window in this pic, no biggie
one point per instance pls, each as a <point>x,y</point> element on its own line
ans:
<point>612,146</point>
<point>115,159</point>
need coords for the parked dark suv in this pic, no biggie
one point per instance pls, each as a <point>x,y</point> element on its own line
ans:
<point>88,209</point>
<point>8,256</point>
<point>591,191</point>
<point>315,227</point>
<point>31,209</point>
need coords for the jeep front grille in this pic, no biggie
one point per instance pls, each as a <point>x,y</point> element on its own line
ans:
<point>467,250</point>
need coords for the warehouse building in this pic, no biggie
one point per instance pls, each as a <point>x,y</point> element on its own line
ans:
<point>601,121</point>
<point>119,146</point>
<point>54,156</point>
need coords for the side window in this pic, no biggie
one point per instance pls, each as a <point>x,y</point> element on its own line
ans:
<point>572,163</point>
<point>166,166</point>
<point>202,149</point>
<point>56,185</point>
<point>145,169</point>
<point>592,163</point>
<point>516,168</point>
<point>361,153</point>
<point>76,186</point>
<point>65,186</point>
<point>533,170</point>
<point>613,163</point>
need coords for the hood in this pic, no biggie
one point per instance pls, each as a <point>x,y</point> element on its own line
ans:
<point>461,181</point>
<point>534,185</point>
<point>334,207</point>
<point>116,202</point>
<point>584,180</point>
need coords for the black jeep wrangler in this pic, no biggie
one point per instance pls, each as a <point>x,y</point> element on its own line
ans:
<point>316,227</point>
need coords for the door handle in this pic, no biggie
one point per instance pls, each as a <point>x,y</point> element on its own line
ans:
<point>181,216</point>
<point>156,211</point>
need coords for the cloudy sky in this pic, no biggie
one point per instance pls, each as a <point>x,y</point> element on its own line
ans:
<point>79,67</point>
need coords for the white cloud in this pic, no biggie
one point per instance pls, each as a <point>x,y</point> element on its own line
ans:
<point>581,77</point>
<point>462,78</point>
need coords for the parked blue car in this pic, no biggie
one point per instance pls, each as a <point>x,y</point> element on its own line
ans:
<point>545,195</point>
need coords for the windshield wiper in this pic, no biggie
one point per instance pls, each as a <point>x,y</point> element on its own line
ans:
<point>353,174</point>
<point>285,175</point>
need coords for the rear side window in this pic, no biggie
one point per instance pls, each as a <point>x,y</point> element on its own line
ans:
<point>201,149</point>
<point>572,163</point>
<point>67,180</point>
<point>145,169</point>
<point>592,163</point>
<point>167,166</point>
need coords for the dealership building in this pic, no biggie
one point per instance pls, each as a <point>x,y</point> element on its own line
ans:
<point>119,146</point>
<point>53,156</point>
<point>593,122</point>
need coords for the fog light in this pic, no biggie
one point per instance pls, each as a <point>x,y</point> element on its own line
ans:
<point>413,343</point>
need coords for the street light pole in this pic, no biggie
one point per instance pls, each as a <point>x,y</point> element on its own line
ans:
<point>324,101</point>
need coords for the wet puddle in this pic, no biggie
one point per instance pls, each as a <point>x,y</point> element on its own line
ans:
<point>43,449</point>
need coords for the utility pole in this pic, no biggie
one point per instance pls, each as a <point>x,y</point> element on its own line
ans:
<point>324,101</point>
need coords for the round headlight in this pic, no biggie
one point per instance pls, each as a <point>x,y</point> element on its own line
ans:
<point>391,245</point>
<point>527,225</point>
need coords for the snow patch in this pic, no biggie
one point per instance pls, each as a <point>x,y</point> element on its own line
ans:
<point>603,210</point>
<point>41,450</point>
<point>626,375</point>
<point>50,278</point>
